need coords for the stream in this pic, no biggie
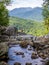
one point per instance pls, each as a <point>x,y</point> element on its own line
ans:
<point>20,58</point>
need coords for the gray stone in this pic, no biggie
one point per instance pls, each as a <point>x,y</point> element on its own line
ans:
<point>17,63</point>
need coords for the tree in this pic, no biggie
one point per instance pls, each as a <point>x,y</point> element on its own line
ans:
<point>4,17</point>
<point>46,13</point>
<point>5,1</point>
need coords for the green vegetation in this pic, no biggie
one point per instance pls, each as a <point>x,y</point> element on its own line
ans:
<point>5,2</point>
<point>46,13</point>
<point>29,26</point>
<point>4,18</point>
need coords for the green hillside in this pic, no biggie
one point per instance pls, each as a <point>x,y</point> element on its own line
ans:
<point>29,26</point>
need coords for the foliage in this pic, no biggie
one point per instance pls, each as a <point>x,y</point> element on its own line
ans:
<point>46,13</point>
<point>29,26</point>
<point>4,18</point>
<point>5,1</point>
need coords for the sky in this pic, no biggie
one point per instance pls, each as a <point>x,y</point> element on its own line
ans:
<point>24,3</point>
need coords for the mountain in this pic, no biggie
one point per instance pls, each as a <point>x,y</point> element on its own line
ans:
<point>27,13</point>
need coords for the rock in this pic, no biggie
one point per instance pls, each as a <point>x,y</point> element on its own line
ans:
<point>19,53</point>
<point>42,55</point>
<point>3,50</point>
<point>47,62</point>
<point>24,44</point>
<point>44,39</point>
<point>17,63</point>
<point>28,63</point>
<point>34,55</point>
<point>36,64</point>
<point>3,63</point>
<point>21,33</point>
<point>46,46</point>
<point>47,36</point>
<point>30,43</point>
<point>30,49</point>
<point>23,56</point>
<point>12,42</point>
<point>11,30</point>
<point>4,38</point>
<point>38,45</point>
<point>38,51</point>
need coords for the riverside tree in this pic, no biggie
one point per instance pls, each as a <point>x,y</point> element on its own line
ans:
<point>46,13</point>
<point>4,17</point>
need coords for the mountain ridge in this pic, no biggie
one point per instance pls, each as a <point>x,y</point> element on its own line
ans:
<point>27,13</point>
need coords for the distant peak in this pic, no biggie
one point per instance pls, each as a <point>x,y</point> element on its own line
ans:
<point>28,8</point>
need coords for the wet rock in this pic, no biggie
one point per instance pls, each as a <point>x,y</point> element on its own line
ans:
<point>19,53</point>
<point>42,61</point>
<point>28,63</point>
<point>3,63</point>
<point>17,63</point>
<point>38,45</point>
<point>42,55</point>
<point>24,44</point>
<point>34,55</point>
<point>23,56</point>
<point>30,49</point>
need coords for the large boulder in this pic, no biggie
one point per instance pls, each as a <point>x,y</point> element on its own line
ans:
<point>11,30</point>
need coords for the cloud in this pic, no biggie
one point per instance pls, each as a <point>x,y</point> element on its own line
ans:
<point>25,3</point>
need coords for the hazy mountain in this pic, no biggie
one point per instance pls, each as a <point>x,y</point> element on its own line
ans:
<point>27,13</point>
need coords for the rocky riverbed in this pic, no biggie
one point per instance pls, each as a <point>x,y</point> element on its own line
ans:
<point>25,56</point>
<point>23,49</point>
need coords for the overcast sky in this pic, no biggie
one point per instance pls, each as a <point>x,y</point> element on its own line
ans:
<point>25,3</point>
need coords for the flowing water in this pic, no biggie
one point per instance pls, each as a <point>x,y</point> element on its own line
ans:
<point>23,60</point>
